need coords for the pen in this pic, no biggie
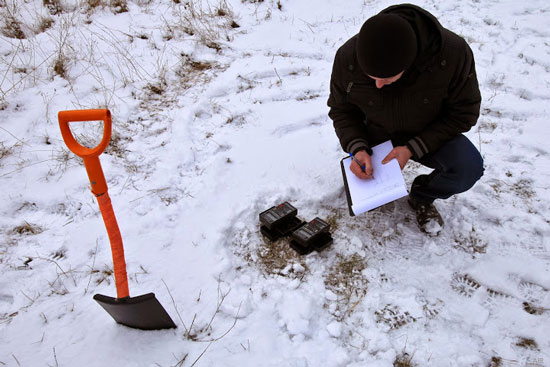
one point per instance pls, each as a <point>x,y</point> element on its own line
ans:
<point>358,162</point>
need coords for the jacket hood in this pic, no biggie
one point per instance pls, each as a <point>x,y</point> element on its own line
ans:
<point>428,32</point>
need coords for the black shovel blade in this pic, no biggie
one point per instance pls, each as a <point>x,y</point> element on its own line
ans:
<point>142,312</point>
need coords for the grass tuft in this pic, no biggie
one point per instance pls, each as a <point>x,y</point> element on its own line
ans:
<point>54,6</point>
<point>527,343</point>
<point>12,26</point>
<point>403,360</point>
<point>93,4</point>
<point>27,229</point>
<point>346,280</point>
<point>495,362</point>
<point>6,151</point>
<point>117,145</point>
<point>209,25</point>
<point>157,88</point>
<point>532,309</point>
<point>102,275</point>
<point>45,24</point>
<point>60,65</point>
<point>191,71</point>
<point>119,6</point>
<point>470,242</point>
<point>278,258</point>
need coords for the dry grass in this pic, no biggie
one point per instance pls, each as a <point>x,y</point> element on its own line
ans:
<point>93,4</point>
<point>532,309</point>
<point>335,217</point>
<point>523,188</point>
<point>278,258</point>
<point>527,343</point>
<point>470,242</point>
<point>188,64</point>
<point>54,6</point>
<point>11,26</point>
<point>27,229</point>
<point>100,275</point>
<point>60,65</point>
<point>346,280</point>
<point>6,151</point>
<point>6,318</point>
<point>63,159</point>
<point>157,88</point>
<point>44,24</point>
<point>208,24</point>
<point>119,6</point>
<point>403,360</point>
<point>116,6</point>
<point>117,145</point>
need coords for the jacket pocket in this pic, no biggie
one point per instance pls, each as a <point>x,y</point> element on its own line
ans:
<point>423,107</point>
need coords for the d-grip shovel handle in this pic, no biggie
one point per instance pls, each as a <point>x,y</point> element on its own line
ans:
<point>89,155</point>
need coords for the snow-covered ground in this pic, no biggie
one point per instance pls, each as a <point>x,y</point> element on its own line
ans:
<point>219,112</point>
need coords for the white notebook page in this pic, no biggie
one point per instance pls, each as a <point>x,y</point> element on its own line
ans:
<point>386,186</point>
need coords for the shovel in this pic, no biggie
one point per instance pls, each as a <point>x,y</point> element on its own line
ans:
<point>141,312</point>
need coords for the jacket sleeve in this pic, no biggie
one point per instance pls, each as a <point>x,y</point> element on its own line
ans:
<point>459,112</point>
<point>347,118</point>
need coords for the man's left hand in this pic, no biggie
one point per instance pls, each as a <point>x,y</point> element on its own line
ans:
<point>402,154</point>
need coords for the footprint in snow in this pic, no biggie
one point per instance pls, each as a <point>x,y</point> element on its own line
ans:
<point>394,317</point>
<point>533,292</point>
<point>465,285</point>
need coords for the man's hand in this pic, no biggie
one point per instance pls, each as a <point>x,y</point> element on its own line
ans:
<point>363,157</point>
<point>402,154</point>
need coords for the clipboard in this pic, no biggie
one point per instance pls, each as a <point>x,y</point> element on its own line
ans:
<point>387,185</point>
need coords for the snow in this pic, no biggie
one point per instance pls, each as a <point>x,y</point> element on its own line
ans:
<point>205,138</point>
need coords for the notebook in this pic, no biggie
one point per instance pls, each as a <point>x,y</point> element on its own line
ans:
<point>386,186</point>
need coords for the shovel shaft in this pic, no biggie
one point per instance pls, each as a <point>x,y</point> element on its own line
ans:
<point>98,185</point>
<point>117,249</point>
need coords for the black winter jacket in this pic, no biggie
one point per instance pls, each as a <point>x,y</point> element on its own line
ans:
<point>436,99</point>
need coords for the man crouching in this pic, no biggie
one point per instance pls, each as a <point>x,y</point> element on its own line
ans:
<point>407,79</point>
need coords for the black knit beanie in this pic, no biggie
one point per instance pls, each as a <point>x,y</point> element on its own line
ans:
<point>386,45</point>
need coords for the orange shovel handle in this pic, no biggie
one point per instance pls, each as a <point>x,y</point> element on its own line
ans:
<point>89,155</point>
<point>99,186</point>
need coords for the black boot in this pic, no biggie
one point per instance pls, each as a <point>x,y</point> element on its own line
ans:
<point>427,216</point>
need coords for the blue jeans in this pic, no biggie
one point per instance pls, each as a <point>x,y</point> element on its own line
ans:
<point>457,167</point>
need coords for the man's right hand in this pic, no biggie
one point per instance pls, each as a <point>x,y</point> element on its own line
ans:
<point>363,157</point>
